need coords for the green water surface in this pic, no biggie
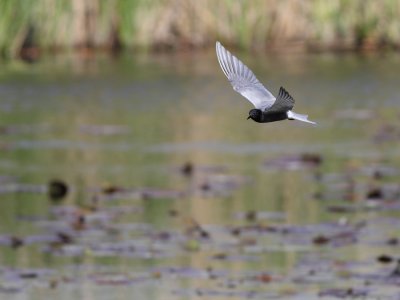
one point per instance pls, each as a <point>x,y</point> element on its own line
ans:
<point>169,110</point>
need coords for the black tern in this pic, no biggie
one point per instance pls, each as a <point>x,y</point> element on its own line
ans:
<point>267,107</point>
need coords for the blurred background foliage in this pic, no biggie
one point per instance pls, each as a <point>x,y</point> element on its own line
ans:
<point>30,26</point>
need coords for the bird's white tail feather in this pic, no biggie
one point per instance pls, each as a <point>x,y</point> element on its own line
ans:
<point>304,118</point>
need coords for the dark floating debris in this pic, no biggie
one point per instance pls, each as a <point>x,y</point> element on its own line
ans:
<point>345,293</point>
<point>264,278</point>
<point>64,238</point>
<point>114,192</point>
<point>379,171</point>
<point>396,271</point>
<point>295,162</point>
<point>111,189</point>
<point>13,281</point>
<point>195,230</point>
<point>342,208</point>
<point>16,242</point>
<point>220,256</point>
<point>221,185</point>
<point>375,193</point>
<point>57,190</point>
<point>393,241</point>
<point>384,259</point>
<point>236,231</point>
<point>321,240</point>
<point>377,175</point>
<point>187,169</point>
<point>365,206</point>
<point>251,216</point>
<point>205,187</point>
<point>312,159</point>
<point>173,213</point>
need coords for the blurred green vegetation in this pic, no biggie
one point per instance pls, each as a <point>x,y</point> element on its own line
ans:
<point>181,24</point>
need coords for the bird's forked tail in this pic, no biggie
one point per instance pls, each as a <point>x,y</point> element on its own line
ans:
<point>292,115</point>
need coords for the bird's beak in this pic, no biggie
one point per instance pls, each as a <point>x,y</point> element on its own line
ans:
<point>248,117</point>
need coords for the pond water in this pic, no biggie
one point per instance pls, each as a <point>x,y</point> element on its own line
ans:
<point>173,194</point>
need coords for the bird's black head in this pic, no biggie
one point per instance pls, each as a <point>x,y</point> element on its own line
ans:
<point>255,114</point>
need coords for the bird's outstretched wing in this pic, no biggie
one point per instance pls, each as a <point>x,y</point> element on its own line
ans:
<point>283,103</point>
<point>243,80</point>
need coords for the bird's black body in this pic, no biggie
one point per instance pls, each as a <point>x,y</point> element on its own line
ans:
<point>267,116</point>
<point>267,107</point>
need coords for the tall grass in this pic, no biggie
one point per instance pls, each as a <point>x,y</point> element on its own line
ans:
<point>15,21</point>
<point>176,24</point>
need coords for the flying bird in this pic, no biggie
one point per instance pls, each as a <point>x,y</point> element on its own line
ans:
<point>267,107</point>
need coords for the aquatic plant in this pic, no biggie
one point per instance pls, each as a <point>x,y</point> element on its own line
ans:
<point>179,24</point>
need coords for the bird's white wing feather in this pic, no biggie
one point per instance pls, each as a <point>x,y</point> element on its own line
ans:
<point>243,80</point>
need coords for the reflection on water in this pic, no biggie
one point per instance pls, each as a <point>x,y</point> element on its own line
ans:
<point>173,194</point>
